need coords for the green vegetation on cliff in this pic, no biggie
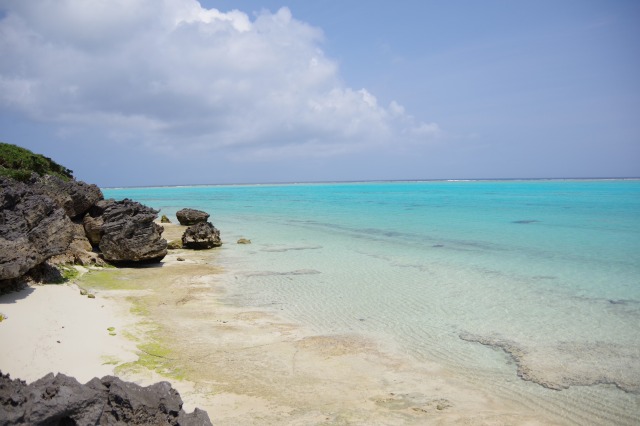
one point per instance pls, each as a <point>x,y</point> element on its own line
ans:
<point>18,163</point>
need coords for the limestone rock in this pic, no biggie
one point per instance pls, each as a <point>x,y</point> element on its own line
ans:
<point>75,197</point>
<point>244,241</point>
<point>130,233</point>
<point>61,400</point>
<point>79,252</point>
<point>164,219</point>
<point>190,217</point>
<point>33,228</point>
<point>93,229</point>
<point>201,236</point>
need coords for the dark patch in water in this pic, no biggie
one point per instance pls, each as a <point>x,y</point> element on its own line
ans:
<point>524,222</point>
<point>285,249</point>
<point>600,373</point>
<point>273,273</point>
<point>622,301</point>
<point>438,245</point>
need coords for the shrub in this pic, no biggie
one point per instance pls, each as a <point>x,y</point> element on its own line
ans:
<point>19,163</point>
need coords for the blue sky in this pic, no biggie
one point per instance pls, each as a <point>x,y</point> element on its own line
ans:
<point>149,92</point>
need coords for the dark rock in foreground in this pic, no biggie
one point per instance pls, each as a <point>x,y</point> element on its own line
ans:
<point>62,400</point>
<point>188,217</point>
<point>201,236</point>
<point>129,233</point>
<point>33,228</point>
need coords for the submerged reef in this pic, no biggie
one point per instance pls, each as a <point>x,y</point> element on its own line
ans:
<point>565,364</point>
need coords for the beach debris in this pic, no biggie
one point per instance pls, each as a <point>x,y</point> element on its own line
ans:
<point>180,259</point>
<point>91,296</point>
<point>83,292</point>
<point>188,217</point>
<point>201,236</point>
<point>2,317</point>
<point>244,241</point>
<point>164,219</point>
<point>111,329</point>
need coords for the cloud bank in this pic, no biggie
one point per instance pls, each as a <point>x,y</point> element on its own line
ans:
<point>173,75</point>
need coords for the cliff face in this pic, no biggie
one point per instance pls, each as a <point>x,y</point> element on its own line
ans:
<point>53,215</point>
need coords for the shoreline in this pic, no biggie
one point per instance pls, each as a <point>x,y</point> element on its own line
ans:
<point>240,364</point>
<point>249,365</point>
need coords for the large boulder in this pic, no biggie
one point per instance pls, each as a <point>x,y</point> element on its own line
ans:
<point>188,217</point>
<point>201,236</point>
<point>33,228</point>
<point>75,197</point>
<point>129,233</point>
<point>62,400</point>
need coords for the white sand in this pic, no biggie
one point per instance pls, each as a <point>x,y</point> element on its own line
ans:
<point>52,328</point>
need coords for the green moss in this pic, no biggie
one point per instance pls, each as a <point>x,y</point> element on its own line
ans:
<point>110,360</point>
<point>111,329</point>
<point>156,357</point>
<point>18,163</point>
<point>137,307</point>
<point>108,280</point>
<point>69,273</point>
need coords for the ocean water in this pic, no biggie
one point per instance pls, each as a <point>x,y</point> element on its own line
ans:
<point>529,288</point>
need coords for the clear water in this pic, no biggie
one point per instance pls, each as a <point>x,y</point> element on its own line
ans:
<point>548,270</point>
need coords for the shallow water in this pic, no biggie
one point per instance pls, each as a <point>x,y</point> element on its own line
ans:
<point>530,289</point>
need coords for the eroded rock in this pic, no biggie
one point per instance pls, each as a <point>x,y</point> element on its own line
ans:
<point>33,228</point>
<point>130,233</point>
<point>61,400</point>
<point>201,236</point>
<point>190,217</point>
<point>74,196</point>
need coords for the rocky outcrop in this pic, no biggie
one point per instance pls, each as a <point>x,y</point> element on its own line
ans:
<point>36,225</point>
<point>79,252</point>
<point>62,400</point>
<point>129,233</point>
<point>164,219</point>
<point>188,217</point>
<point>75,197</point>
<point>33,228</point>
<point>201,236</point>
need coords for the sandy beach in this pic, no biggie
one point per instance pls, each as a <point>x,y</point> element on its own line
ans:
<point>241,365</point>
<point>53,328</point>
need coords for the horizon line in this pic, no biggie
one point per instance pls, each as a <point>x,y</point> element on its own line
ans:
<point>373,181</point>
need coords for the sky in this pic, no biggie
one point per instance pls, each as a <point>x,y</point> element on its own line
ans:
<point>176,92</point>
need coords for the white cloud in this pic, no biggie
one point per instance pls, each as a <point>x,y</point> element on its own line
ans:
<point>172,74</point>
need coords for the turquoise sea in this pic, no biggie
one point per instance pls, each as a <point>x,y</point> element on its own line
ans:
<point>528,288</point>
